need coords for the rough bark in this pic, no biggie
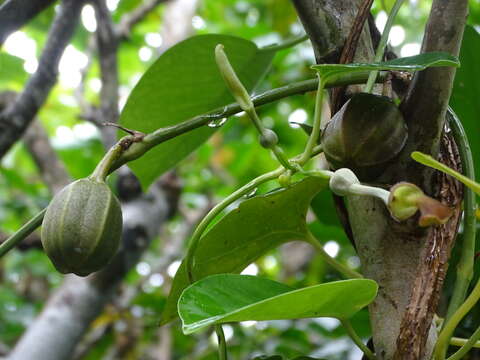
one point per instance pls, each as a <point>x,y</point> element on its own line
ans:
<point>408,263</point>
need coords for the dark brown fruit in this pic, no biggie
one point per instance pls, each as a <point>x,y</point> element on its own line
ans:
<point>368,131</point>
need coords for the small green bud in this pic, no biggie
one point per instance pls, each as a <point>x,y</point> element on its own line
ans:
<point>403,200</point>
<point>231,79</point>
<point>268,139</point>
<point>406,199</point>
<point>285,179</point>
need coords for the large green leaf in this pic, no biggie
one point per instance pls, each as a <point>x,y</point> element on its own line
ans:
<point>182,83</point>
<point>225,298</point>
<point>258,225</point>
<point>411,63</point>
<point>466,92</point>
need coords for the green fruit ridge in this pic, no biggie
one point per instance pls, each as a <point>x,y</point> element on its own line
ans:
<point>82,227</point>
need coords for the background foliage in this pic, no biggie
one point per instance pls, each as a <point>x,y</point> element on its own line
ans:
<point>229,159</point>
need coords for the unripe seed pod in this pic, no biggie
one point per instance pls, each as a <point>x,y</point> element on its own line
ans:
<point>268,139</point>
<point>368,131</point>
<point>82,227</point>
<point>285,179</point>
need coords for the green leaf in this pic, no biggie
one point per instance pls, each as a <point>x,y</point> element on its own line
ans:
<point>243,235</point>
<point>411,63</point>
<point>229,298</point>
<point>427,160</point>
<point>466,92</point>
<point>11,71</point>
<point>182,83</point>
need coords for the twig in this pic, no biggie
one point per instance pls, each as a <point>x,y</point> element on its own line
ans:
<point>16,13</point>
<point>342,269</point>
<point>163,134</point>
<point>129,20</point>
<point>426,102</point>
<point>356,339</point>
<point>51,168</point>
<point>21,234</point>
<point>107,46</point>
<point>466,262</point>
<point>16,118</point>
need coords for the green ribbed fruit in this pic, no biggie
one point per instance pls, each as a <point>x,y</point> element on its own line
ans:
<point>82,227</point>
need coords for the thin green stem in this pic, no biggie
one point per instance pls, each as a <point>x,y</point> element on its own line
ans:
<point>449,328</point>
<point>472,342</point>
<point>161,135</point>
<point>359,189</point>
<point>104,166</point>
<point>467,257</point>
<point>313,139</point>
<point>382,44</point>
<point>276,150</point>
<point>287,43</point>
<point>194,241</point>
<point>456,341</point>
<point>222,343</point>
<point>22,233</point>
<point>342,269</point>
<point>356,339</point>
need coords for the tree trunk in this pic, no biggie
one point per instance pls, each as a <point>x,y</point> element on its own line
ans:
<point>408,263</point>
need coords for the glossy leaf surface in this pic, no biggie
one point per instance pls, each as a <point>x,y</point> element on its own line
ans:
<point>229,298</point>
<point>410,63</point>
<point>182,83</point>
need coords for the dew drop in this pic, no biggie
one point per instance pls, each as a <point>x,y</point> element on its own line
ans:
<point>251,193</point>
<point>216,123</point>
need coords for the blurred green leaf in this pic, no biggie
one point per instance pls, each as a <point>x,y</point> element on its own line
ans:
<point>11,71</point>
<point>410,63</point>
<point>182,83</point>
<point>225,298</point>
<point>246,233</point>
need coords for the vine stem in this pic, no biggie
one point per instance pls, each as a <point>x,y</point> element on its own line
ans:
<point>356,339</point>
<point>314,135</point>
<point>382,44</point>
<point>222,343</point>
<point>342,269</point>
<point>446,333</point>
<point>194,241</point>
<point>287,43</point>
<point>22,233</point>
<point>103,168</point>
<point>467,257</point>
<point>456,341</point>
<point>470,343</point>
